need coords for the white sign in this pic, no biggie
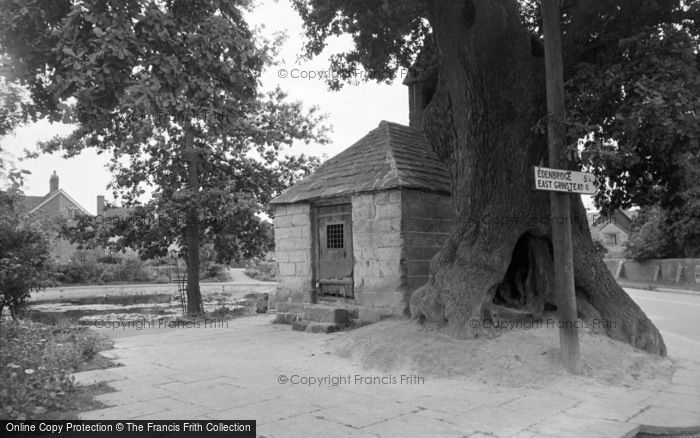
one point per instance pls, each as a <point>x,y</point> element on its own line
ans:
<point>560,180</point>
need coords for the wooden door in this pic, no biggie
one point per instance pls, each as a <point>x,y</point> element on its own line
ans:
<point>335,256</point>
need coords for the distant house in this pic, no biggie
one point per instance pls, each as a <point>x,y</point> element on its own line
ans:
<point>360,232</point>
<point>52,206</point>
<point>612,230</point>
<point>59,204</point>
<point>110,212</point>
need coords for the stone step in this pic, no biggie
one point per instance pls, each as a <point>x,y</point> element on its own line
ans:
<point>315,327</point>
<point>287,318</point>
<point>326,314</point>
<point>290,307</point>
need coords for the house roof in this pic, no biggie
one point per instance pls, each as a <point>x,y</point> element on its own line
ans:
<point>121,212</point>
<point>390,156</point>
<point>36,203</point>
<point>618,218</point>
<point>54,194</point>
<point>31,202</point>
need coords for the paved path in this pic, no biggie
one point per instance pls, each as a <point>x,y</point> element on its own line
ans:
<point>234,372</point>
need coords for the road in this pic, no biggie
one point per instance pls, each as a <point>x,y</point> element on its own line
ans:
<point>677,316</point>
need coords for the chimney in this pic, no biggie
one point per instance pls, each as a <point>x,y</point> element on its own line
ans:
<point>53,182</point>
<point>421,87</point>
<point>100,205</point>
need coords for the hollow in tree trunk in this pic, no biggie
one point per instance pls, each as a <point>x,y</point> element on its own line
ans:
<point>490,93</point>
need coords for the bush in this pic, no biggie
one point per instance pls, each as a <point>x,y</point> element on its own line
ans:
<point>36,361</point>
<point>79,272</point>
<point>25,262</point>
<point>264,270</point>
<point>214,271</point>
<point>87,270</point>
<point>109,259</point>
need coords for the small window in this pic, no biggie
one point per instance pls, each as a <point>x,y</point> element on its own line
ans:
<point>334,236</point>
<point>611,239</point>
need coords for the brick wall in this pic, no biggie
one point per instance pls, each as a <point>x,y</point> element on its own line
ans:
<point>293,252</point>
<point>380,268</point>
<point>429,218</point>
<point>60,206</point>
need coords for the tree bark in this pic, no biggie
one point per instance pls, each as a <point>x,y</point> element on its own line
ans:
<point>194,296</point>
<point>490,94</point>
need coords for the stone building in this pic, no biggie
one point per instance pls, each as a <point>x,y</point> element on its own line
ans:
<point>359,233</point>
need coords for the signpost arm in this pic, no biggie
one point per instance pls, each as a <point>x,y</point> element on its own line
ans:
<point>561,211</point>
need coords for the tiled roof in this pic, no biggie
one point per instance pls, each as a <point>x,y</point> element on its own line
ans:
<point>390,156</point>
<point>117,212</point>
<point>618,218</point>
<point>31,202</point>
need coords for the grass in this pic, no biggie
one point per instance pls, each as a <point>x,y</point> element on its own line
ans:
<point>36,363</point>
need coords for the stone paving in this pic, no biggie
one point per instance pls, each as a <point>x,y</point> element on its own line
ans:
<point>235,373</point>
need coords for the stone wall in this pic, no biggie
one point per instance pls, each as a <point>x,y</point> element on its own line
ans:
<point>395,235</point>
<point>429,218</point>
<point>380,273</point>
<point>665,271</point>
<point>293,252</point>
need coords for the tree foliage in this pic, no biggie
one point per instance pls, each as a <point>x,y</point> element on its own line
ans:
<point>662,234</point>
<point>487,101</point>
<point>25,262</point>
<point>632,80</point>
<point>170,90</point>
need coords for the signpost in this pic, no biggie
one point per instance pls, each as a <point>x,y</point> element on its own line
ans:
<point>558,180</point>
<point>561,209</point>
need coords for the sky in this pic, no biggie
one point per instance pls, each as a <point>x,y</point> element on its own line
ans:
<point>352,112</point>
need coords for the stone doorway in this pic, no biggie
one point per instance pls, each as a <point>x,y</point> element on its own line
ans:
<point>334,261</point>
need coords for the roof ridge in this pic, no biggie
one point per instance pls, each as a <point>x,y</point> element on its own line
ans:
<point>390,155</point>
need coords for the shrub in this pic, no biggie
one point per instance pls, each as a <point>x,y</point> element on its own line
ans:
<point>264,270</point>
<point>25,262</point>
<point>79,272</point>
<point>109,259</point>
<point>36,361</point>
<point>87,270</point>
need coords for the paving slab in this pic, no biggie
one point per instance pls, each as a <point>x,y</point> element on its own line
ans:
<point>418,426</point>
<point>664,418</point>
<point>97,376</point>
<point>312,427</point>
<point>248,370</point>
<point>572,426</point>
<point>267,411</point>
<point>136,409</point>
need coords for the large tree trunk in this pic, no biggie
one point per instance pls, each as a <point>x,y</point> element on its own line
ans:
<point>490,93</point>
<point>194,296</point>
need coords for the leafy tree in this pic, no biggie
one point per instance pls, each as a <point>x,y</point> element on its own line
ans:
<point>670,227</point>
<point>649,238</point>
<point>661,234</point>
<point>169,89</point>
<point>25,262</point>
<point>13,100</point>
<point>483,71</point>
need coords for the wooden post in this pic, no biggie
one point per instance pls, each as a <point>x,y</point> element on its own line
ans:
<point>561,209</point>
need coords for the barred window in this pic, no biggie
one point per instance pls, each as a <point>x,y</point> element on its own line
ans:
<point>334,236</point>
